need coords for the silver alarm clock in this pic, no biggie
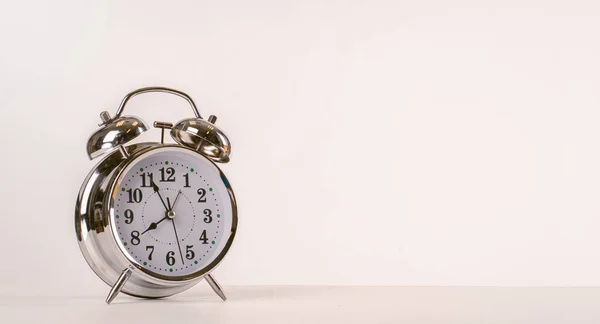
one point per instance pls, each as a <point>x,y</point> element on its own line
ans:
<point>154,219</point>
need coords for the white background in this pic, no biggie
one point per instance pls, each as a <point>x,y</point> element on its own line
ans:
<point>374,142</point>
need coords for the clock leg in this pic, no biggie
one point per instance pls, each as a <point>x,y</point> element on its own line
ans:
<point>215,286</point>
<point>118,285</point>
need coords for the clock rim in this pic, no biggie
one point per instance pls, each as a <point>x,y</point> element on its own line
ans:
<point>137,156</point>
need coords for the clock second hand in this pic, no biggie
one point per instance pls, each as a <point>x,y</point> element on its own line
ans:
<point>174,202</point>
<point>175,228</point>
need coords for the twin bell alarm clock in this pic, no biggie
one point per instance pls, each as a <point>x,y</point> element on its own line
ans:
<point>153,219</point>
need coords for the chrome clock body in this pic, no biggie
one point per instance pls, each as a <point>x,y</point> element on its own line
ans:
<point>95,210</point>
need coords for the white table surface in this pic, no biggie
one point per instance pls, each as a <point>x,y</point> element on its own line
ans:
<point>283,305</point>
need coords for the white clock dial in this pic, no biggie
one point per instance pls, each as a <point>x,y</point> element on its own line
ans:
<point>172,212</point>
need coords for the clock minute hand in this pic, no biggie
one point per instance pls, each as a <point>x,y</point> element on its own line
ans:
<point>157,190</point>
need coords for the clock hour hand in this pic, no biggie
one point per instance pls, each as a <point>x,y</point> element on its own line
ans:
<point>153,225</point>
<point>157,190</point>
<point>170,214</point>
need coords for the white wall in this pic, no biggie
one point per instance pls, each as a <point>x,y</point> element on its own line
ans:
<point>374,143</point>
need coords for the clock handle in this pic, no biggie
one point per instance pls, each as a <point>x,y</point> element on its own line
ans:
<point>156,89</point>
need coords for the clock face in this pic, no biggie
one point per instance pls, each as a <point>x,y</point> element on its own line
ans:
<point>172,212</point>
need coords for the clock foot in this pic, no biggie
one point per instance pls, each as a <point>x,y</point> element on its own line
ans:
<point>118,285</point>
<point>215,286</point>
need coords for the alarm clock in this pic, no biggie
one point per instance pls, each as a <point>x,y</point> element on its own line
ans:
<point>153,219</point>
